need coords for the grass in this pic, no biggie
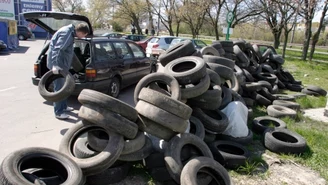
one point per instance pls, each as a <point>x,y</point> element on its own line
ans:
<point>298,54</point>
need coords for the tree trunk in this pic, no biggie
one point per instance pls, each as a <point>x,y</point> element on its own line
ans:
<point>276,42</point>
<point>307,38</point>
<point>178,29</point>
<point>285,44</point>
<point>216,32</point>
<point>150,16</point>
<point>315,39</point>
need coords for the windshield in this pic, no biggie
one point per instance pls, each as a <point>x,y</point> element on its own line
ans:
<point>200,43</point>
<point>56,24</point>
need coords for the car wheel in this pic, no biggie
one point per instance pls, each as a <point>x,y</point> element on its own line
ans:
<point>114,87</point>
<point>21,37</point>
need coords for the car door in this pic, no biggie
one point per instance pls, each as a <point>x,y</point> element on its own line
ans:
<point>101,60</point>
<point>125,55</point>
<point>143,62</point>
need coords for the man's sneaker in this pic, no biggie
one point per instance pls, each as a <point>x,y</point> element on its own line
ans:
<point>69,109</point>
<point>62,116</point>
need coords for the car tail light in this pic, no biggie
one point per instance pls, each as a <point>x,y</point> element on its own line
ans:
<point>36,69</point>
<point>155,45</point>
<point>91,73</point>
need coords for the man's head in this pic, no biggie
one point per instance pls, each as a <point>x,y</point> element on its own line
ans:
<point>82,30</point>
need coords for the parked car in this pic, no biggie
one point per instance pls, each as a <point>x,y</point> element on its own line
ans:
<point>199,44</point>
<point>143,43</point>
<point>3,46</point>
<point>112,35</point>
<point>157,45</point>
<point>109,64</point>
<point>23,32</point>
<point>134,37</point>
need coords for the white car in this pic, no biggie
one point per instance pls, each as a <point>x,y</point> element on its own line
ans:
<point>157,45</point>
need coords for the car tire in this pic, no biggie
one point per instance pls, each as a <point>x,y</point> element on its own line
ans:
<point>21,37</point>
<point>252,87</point>
<point>97,139</point>
<point>161,116</point>
<point>294,87</point>
<point>165,102</point>
<point>260,124</point>
<point>213,120</point>
<point>261,100</point>
<point>249,77</point>
<point>265,84</point>
<point>226,97</point>
<point>181,49</point>
<point>187,70</point>
<point>271,78</point>
<point>209,100</point>
<point>35,157</point>
<point>240,140</point>
<point>158,77</point>
<point>284,97</point>
<point>224,71</point>
<point>60,95</point>
<point>108,120</point>
<point>293,105</point>
<point>98,163</point>
<point>88,96</point>
<point>265,92</point>
<point>214,77</point>
<point>244,60</point>
<point>192,91</point>
<point>317,89</point>
<point>82,150</point>
<point>209,50</point>
<point>284,141</point>
<point>196,127</point>
<point>219,60</point>
<point>114,87</point>
<point>140,154</point>
<point>278,111</point>
<point>230,154</point>
<point>190,172</point>
<point>172,152</point>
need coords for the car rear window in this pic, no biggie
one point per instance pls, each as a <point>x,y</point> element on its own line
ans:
<point>168,40</point>
<point>154,40</point>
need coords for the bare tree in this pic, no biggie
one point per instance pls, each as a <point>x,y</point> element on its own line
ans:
<point>213,11</point>
<point>73,6</point>
<point>150,15</point>
<point>99,12</point>
<point>315,37</point>
<point>307,12</point>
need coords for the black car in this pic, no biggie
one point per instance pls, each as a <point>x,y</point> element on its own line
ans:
<point>108,64</point>
<point>23,32</point>
<point>3,45</point>
<point>134,37</point>
<point>112,35</point>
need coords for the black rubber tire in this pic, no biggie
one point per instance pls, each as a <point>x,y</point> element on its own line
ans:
<point>257,51</point>
<point>267,77</point>
<point>241,140</point>
<point>226,43</point>
<point>284,97</point>
<point>192,91</point>
<point>173,152</point>
<point>161,117</point>
<point>108,120</point>
<point>284,141</point>
<point>82,150</point>
<point>158,77</point>
<point>213,120</point>
<point>187,70</point>
<point>216,44</point>
<point>154,160</point>
<point>278,111</point>
<point>266,54</point>
<point>219,60</point>
<point>240,43</point>
<point>317,89</point>
<point>189,174</point>
<point>230,154</point>
<point>35,157</point>
<point>98,163</point>
<point>249,77</point>
<point>110,175</point>
<point>248,101</point>
<point>45,176</point>
<point>265,92</point>
<point>184,48</point>
<point>138,155</point>
<point>209,100</point>
<point>281,77</point>
<point>214,77</point>
<point>197,53</point>
<point>209,50</point>
<point>133,145</point>
<point>114,87</point>
<point>63,93</point>
<point>267,68</point>
<point>288,75</point>
<point>88,96</point>
<point>294,87</point>
<point>309,92</point>
<point>97,139</point>
<point>237,97</point>
<point>252,86</point>
<point>196,127</point>
<point>165,102</point>
<point>76,64</point>
<point>224,71</point>
<point>242,58</point>
<point>265,84</point>
<point>290,104</point>
<point>261,100</point>
<point>260,124</point>
<point>226,97</point>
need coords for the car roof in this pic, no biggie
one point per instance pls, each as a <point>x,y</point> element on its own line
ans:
<point>166,36</point>
<point>103,39</point>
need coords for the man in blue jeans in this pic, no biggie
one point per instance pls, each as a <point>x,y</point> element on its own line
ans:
<point>60,58</point>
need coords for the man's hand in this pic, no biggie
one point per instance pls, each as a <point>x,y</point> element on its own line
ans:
<point>55,70</point>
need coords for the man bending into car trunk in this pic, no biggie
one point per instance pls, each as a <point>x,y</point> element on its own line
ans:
<point>60,58</point>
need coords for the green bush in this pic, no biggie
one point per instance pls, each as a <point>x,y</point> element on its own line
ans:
<point>117,27</point>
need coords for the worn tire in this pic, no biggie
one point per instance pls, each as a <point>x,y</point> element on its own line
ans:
<point>165,102</point>
<point>265,92</point>
<point>192,91</point>
<point>35,157</point>
<point>133,145</point>
<point>98,163</point>
<point>184,48</point>
<point>82,149</point>
<point>214,77</point>
<point>294,87</point>
<point>196,127</point>
<point>317,89</point>
<point>293,105</point>
<point>161,116</point>
<point>260,124</point>
<point>309,92</point>
<point>173,153</point>
<point>190,173</point>
<point>209,100</point>
<point>219,60</point>
<point>284,97</point>
<point>224,71</point>
<point>88,96</point>
<point>209,50</point>
<point>60,95</point>
<point>265,84</point>
<point>243,59</point>
<point>249,77</point>
<point>260,100</point>
<point>284,141</point>
<point>158,77</point>
<point>213,120</point>
<point>226,97</point>
<point>138,155</point>
<point>252,86</point>
<point>108,120</point>
<point>278,111</point>
<point>187,70</point>
<point>240,140</point>
<point>267,77</point>
<point>230,154</point>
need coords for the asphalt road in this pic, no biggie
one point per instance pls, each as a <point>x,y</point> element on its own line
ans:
<point>26,119</point>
